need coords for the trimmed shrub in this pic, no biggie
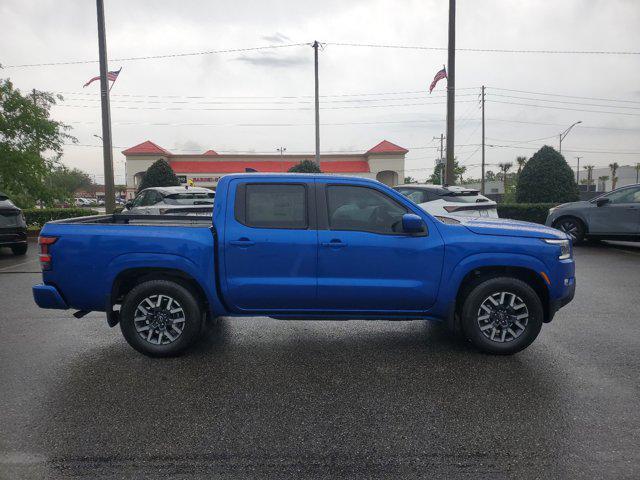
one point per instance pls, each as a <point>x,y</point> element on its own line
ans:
<point>38,217</point>
<point>547,178</point>
<point>305,166</point>
<point>527,212</point>
<point>159,174</point>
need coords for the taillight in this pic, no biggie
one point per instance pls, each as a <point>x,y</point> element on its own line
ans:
<point>45,256</point>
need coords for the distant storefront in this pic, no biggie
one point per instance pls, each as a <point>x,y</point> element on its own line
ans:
<point>384,162</point>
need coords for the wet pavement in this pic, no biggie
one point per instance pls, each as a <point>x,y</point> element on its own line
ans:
<point>291,399</point>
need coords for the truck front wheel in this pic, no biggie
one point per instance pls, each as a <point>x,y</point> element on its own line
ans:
<point>160,318</point>
<point>502,315</point>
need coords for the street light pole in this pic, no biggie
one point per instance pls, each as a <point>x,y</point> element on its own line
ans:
<point>564,134</point>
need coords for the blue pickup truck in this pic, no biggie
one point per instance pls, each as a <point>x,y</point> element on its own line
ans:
<point>294,246</point>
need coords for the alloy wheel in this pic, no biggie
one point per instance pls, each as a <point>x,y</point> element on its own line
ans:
<point>570,227</point>
<point>503,317</point>
<point>159,319</point>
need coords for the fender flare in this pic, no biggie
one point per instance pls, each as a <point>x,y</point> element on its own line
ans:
<point>205,279</point>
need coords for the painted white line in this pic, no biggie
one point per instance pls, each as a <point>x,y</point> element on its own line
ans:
<point>19,264</point>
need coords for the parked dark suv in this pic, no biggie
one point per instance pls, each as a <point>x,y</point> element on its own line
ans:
<point>613,216</point>
<point>13,228</point>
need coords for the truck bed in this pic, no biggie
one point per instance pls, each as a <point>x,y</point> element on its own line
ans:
<point>156,220</point>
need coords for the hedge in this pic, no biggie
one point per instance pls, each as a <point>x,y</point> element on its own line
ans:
<point>39,216</point>
<point>528,212</point>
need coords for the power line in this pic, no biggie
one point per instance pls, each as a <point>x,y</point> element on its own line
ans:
<point>564,108</point>
<point>567,96</point>
<point>272,102</point>
<point>408,92</point>
<point>129,107</point>
<point>511,120</point>
<point>487,50</point>
<point>563,101</point>
<point>155,57</point>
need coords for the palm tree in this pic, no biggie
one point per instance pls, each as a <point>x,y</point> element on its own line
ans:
<point>589,169</point>
<point>521,161</point>
<point>504,168</point>
<point>614,168</point>
<point>637,171</point>
<point>603,179</point>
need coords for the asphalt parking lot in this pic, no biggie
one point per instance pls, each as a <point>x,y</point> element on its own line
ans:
<point>292,399</point>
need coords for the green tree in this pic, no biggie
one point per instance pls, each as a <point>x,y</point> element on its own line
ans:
<point>64,182</point>
<point>410,180</point>
<point>436,176</point>
<point>521,162</point>
<point>159,174</point>
<point>614,180</point>
<point>305,166</point>
<point>31,144</point>
<point>504,169</point>
<point>547,177</point>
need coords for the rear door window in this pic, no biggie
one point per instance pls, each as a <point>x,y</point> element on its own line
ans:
<point>275,206</point>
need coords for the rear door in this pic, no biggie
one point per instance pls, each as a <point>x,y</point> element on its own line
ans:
<point>365,261</point>
<point>621,216</point>
<point>271,246</point>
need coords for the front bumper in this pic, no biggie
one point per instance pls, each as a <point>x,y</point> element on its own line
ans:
<point>12,236</point>
<point>47,296</point>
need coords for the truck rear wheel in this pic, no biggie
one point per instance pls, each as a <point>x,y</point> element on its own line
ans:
<point>160,318</point>
<point>502,315</point>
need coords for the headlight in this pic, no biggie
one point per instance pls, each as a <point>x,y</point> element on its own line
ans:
<point>565,247</point>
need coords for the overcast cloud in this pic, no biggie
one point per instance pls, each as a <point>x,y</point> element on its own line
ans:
<point>239,86</point>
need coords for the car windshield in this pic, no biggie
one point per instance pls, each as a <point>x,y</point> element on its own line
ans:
<point>191,198</point>
<point>469,196</point>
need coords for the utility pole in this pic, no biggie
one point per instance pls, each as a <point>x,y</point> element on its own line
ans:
<point>637,171</point>
<point>441,161</point>
<point>451,91</point>
<point>315,63</point>
<point>281,150</point>
<point>482,175</point>
<point>578,171</point>
<point>109,188</point>
<point>34,97</point>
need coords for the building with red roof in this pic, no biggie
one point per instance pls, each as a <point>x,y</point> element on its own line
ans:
<point>383,162</point>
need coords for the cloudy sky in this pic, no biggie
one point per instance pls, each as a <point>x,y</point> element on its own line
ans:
<point>258,100</point>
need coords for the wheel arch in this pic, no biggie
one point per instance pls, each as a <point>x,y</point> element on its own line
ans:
<point>127,279</point>
<point>580,218</point>
<point>478,275</point>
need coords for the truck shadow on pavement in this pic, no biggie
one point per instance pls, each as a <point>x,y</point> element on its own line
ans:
<point>307,399</point>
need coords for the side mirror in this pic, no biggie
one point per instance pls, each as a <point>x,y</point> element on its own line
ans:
<point>413,224</point>
<point>128,205</point>
<point>602,201</point>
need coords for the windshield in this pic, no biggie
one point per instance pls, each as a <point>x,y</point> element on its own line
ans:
<point>190,199</point>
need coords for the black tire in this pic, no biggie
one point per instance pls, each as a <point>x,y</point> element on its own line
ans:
<point>573,227</point>
<point>20,249</point>
<point>192,314</point>
<point>471,313</point>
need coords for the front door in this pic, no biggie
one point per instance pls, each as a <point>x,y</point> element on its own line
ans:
<point>365,261</point>
<point>620,216</point>
<point>271,246</point>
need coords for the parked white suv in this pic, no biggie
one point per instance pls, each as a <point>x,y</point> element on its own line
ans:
<point>447,201</point>
<point>182,200</point>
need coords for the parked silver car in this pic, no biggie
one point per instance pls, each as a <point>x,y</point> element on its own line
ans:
<point>613,216</point>
<point>182,200</point>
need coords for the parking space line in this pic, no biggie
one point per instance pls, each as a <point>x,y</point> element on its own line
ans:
<point>19,264</point>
